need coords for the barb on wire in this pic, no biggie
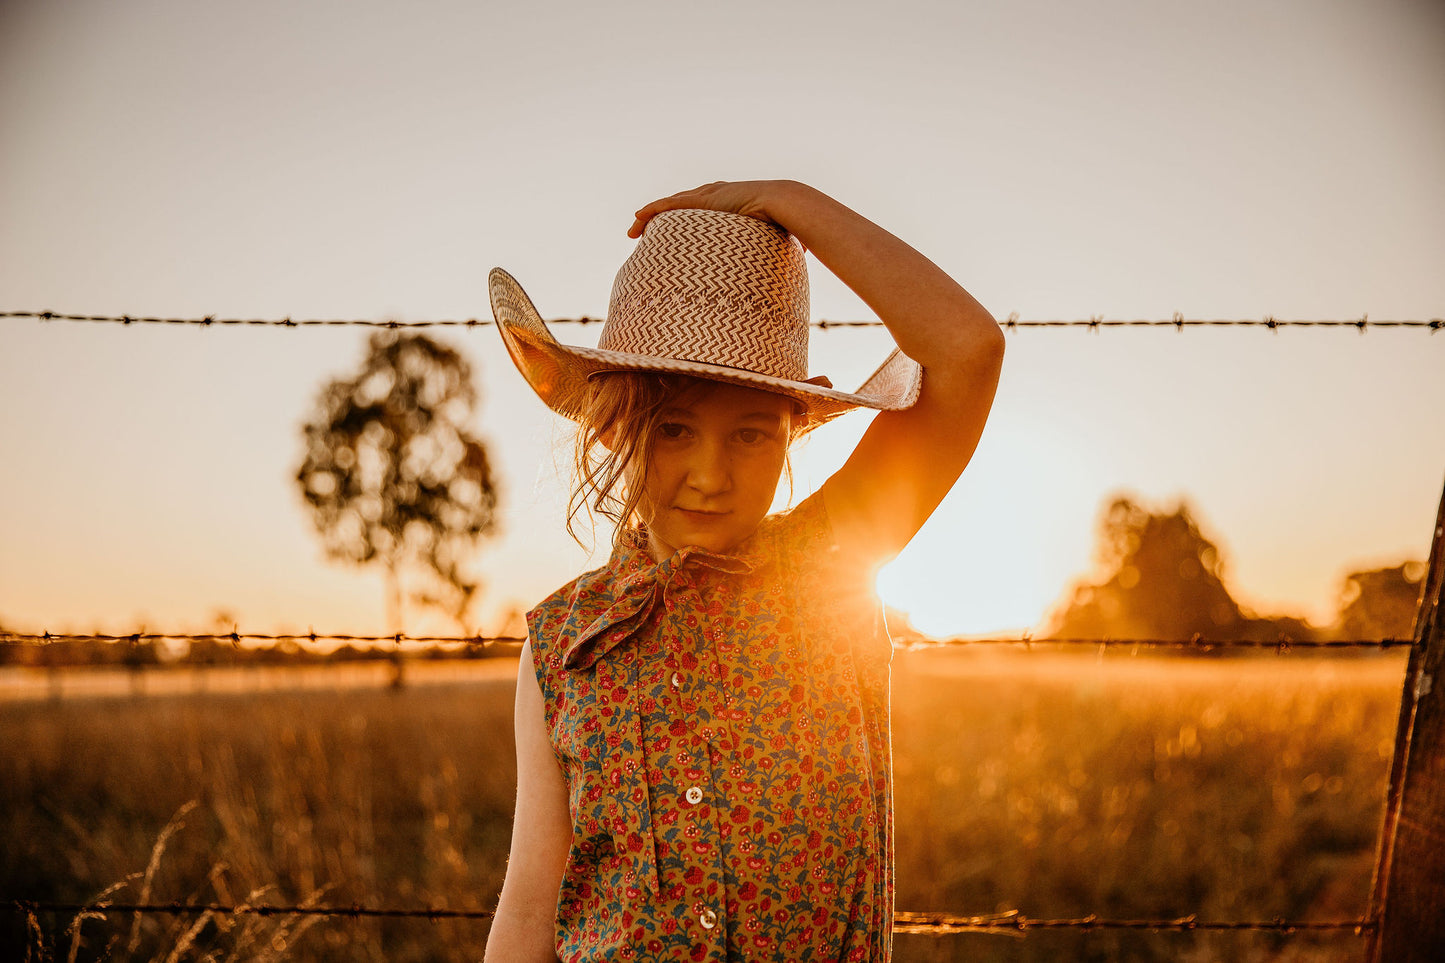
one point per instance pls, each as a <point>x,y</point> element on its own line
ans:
<point>1030,643</point>
<point>1012,322</point>
<point>934,924</point>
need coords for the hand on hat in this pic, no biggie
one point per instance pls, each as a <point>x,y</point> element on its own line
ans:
<point>749,198</point>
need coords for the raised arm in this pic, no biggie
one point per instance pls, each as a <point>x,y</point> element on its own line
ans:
<point>524,929</point>
<point>907,460</point>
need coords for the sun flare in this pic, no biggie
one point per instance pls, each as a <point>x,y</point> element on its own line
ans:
<point>999,551</point>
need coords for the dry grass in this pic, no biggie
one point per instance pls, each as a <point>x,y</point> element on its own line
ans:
<point>1236,790</point>
<point>1058,787</point>
<point>371,797</point>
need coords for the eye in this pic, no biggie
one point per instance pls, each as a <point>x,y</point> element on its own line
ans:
<point>671,430</point>
<point>753,436</point>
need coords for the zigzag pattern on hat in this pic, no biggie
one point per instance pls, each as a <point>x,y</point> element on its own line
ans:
<point>725,297</point>
<point>714,288</point>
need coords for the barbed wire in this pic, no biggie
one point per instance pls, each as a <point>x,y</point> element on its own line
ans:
<point>935,924</point>
<point>1196,642</point>
<point>942,924</point>
<point>911,923</point>
<point>236,638</point>
<point>1179,322</point>
<point>244,909</point>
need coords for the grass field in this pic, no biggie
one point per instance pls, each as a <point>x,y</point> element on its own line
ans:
<point>1055,786</point>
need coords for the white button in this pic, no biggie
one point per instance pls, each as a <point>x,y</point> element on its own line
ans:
<point>694,795</point>
<point>677,680</point>
<point>708,919</point>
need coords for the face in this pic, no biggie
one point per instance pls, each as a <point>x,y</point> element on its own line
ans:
<point>716,459</point>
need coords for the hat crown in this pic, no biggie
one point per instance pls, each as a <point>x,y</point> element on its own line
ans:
<point>716,288</point>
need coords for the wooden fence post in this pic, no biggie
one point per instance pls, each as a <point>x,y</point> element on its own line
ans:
<point>1407,904</point>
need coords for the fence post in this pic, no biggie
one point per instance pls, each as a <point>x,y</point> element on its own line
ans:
<point>1408,899</point>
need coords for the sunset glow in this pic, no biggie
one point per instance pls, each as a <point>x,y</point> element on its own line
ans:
<point>149,471</point>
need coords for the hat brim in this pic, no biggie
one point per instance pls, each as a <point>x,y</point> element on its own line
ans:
<point>558,372</point>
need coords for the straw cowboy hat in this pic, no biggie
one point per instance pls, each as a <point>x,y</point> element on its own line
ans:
<point>708,294</point>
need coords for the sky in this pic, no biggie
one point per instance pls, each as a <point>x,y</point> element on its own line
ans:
<point>1061,160</point>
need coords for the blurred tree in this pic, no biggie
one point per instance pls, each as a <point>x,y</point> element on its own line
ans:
<point>1160,577</point>
<point>1380,603</point>
<point>392,473</point>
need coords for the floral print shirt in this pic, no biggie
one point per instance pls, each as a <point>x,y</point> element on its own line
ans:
<point>722,724</point>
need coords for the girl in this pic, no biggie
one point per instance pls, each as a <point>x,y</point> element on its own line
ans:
<point>702,725</point>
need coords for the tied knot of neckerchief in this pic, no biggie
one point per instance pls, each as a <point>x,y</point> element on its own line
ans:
<point>639,585</point>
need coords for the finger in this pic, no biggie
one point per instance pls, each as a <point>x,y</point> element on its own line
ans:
<point>701,196</point>
<point>671,202</point>
<point>649,211</point>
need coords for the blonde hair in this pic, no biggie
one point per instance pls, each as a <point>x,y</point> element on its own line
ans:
<point>614,442</point>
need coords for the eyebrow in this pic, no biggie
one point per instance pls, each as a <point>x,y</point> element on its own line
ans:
<point>768,416</point>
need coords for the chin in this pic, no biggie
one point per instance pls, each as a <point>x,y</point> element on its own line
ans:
<point>716,539</point>
<point>716,544</point>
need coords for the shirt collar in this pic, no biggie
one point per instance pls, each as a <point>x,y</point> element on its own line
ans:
<point>636,583</point>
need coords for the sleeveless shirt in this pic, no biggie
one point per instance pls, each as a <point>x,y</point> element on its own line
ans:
<point>722,723</point>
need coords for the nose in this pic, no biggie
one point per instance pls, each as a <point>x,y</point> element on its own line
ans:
<point>709,471</point>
